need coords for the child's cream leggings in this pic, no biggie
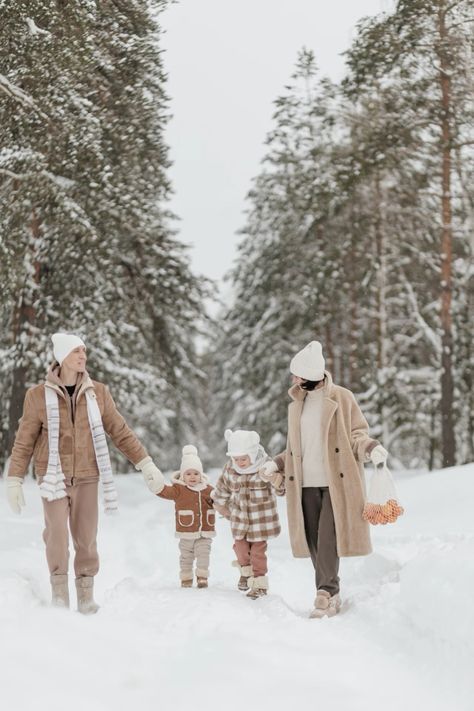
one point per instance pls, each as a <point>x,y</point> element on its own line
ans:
<point>194,548</point>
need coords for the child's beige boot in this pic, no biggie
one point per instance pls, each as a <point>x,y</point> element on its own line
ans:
<point>59,591</point>
<point>86,604</point>
<point>258,587</point>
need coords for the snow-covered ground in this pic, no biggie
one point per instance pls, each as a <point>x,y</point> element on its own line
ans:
<point>404,638</point>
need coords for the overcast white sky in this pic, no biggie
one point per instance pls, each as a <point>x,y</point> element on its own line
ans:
<point>227,62</point>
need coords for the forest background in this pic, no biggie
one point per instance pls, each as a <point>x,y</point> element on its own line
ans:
<point>358,231</point>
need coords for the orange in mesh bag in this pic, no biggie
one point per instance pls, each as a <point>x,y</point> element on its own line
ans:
<point>382,505</point>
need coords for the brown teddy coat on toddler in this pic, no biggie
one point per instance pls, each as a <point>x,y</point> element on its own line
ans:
<point>194,509</point>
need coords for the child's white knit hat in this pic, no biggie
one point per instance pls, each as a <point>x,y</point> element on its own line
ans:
<point>64,343</point>
<point>309,362</point>
<point>190,459</point>
<point>242,442</point>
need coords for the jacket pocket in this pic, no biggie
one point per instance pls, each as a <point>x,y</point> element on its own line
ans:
<point>185,518</point>
<point>211,517</point>
<point>41,451</point>
<point>259,494</point>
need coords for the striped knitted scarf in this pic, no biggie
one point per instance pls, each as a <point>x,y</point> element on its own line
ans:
<point>53,486</point>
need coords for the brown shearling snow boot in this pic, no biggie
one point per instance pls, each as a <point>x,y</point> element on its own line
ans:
<point>187,583</point>
<point>59,591</point>
<point>202,582</point>
<point>86,604</point>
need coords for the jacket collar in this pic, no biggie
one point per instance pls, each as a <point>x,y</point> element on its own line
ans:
<point>297,393</point>
<point>54,381</point>
<point>295,410</point>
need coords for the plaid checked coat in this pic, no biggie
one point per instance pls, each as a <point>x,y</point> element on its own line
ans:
<point>251,502</point>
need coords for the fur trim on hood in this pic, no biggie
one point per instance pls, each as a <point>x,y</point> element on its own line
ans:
<point>176,479</point>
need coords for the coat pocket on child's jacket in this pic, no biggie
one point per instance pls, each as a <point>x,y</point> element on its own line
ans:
<point>258,493</point>
<point>185,518</point>
<point>211,517</point>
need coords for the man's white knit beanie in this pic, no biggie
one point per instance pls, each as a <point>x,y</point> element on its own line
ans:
<point>309,363</point>
<point>242,442</point>
<point>190,459</point>
<point>64,343</point>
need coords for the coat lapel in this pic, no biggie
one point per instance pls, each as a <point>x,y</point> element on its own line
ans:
<point>294,425</point>
<point>329,408</point>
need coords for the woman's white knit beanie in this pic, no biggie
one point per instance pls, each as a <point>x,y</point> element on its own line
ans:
<point>242,442</point>
<point>309,363</point>
<point>190,459</point>
<point>64,343</point>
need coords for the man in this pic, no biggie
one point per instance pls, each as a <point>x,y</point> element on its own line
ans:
<point>62,428</point>
<point>323,464</point>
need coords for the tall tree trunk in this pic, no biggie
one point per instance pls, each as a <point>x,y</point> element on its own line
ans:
<point>448,440</point>
<point>23,320</point>
<point>381,325</point>
<point>381,278</point>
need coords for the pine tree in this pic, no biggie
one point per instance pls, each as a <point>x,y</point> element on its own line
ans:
<point>423,50</point>
<point>87,240</point>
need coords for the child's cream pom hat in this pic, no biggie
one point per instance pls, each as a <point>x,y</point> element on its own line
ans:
<point>190,459</point>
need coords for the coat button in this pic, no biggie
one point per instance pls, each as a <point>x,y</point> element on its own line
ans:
<point>291,478</point>
<point>341,475</point>
<point>337,449</point>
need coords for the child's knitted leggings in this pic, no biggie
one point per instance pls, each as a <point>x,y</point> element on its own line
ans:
<point>194,548</point>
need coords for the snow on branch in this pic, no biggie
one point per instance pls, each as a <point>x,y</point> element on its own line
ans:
<point>16,93</point>
<point>59,180</point>
<point>430,334</point>
<point>34,30</point>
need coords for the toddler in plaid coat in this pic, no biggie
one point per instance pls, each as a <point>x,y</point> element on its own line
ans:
<point>250,505</point>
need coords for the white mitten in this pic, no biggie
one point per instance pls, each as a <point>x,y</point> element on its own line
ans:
<point>15,493</point>
<point>378,455</point>
<point>267,471</point>
<point>154,479</point>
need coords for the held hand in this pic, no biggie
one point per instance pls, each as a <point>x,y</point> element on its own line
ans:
<point>267,471</point>
<point>153,477</point>
<point>15,493</point>
<point>379,456</point>
<point>223,510</point>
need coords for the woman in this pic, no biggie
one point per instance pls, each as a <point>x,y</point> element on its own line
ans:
<point>323,465</point>
<point>62,428</point>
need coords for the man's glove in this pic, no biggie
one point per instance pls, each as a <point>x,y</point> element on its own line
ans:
<point>267,471</point>
<point>15,493</point>
<point>379,456</point>
<point>154,479</point>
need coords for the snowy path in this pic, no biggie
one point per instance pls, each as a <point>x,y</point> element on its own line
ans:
<point>402,640</point>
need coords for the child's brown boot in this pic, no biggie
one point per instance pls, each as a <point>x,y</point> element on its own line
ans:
<point>201,582</point>
<point>245,574</point>
<point>187,583</point>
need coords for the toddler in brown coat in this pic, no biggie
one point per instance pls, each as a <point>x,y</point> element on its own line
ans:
<point>195,517</point>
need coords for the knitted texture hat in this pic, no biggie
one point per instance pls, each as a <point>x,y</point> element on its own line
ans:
<point>190,459</point>
<point>64,343</point>
<point>309,362</point>
<point>242,442</point>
